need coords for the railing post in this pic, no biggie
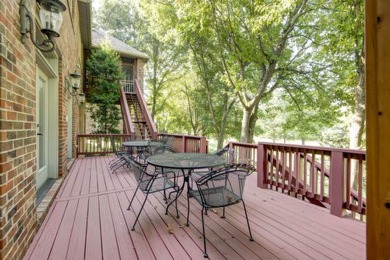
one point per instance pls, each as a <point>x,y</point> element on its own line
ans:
<point>203,145</point>
<point>261,166</point>
<point>336,183</point>
<point>183,145</point>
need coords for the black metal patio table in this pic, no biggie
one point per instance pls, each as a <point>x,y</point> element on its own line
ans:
<point>186,162</point>
<point>140,145</point>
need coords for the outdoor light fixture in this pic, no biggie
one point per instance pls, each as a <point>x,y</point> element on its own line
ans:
<point>50,15</point>
<point>81,98</point>
<point>73,83</point>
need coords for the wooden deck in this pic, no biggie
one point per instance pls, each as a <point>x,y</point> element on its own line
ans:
<point>89,220</point>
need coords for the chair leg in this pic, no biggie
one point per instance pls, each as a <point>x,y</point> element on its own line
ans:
<point>117,165</point>
<point>135,192</point>
<point>205,255</point>
<point>177,211</point>
<point>223,213</point>
<point>139,213</point>
<point>247,221</point>
<point>188,209</point>
<point>116,162</point>
<point>165,197</point>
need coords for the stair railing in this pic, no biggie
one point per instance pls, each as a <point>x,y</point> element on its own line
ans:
<point>127,125</point>
<point>145,111</point>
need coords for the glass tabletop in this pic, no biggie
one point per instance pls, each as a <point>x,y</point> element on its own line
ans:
<point>186,160</point>
<point>141,143</point>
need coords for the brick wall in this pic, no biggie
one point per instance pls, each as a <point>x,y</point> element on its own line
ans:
<point>140,72</point>
<point>18,221</point>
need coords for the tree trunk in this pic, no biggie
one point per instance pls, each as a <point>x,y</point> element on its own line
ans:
<point>220,140</point>
<point>356,129</point>
<point>252,124</point>
<point>245,125</point>
<point>358,116</point>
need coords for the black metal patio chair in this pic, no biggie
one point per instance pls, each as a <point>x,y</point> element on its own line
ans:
<point>121,157</point>
<point>150,181</point>
<point>166,143</point>
<point>220,189</point>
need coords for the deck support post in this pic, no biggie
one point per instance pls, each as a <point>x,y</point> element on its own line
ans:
<point>337,183</point>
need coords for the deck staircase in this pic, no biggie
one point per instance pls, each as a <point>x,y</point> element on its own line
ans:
<point>136,117</point>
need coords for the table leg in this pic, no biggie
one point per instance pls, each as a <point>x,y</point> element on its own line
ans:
<point>179,192</point>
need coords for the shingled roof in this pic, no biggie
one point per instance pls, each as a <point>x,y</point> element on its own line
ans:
<point>99,36</point>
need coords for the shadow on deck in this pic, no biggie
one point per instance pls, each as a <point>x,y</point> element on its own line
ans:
<point>89,220</point>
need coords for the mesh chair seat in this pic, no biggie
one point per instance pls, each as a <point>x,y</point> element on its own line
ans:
<point>216,197</point>
<point>159,184</point>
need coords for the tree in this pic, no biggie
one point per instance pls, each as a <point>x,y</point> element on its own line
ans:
<point>104,73</point>
<point>346,47</point>
<point>117,18</point>
<point>262,46</point>
<point>168,60</point>
<point>127,22</point>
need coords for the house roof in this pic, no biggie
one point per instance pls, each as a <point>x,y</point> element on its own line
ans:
<point>85,22</point>
<point>99,36</point>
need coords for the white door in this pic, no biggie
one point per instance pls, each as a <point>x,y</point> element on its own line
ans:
<point>42,127</point>
<point>69,121</point>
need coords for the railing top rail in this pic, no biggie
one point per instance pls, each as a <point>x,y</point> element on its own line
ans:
<point>242,144</point>
<point>180,135</point>
<point>319,148</point>
<point>102,135</point>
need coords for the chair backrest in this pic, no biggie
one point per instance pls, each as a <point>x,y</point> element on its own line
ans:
<point>137,169</point>
<point>141,171</point>
<point>169,141</point>
<point>225,186</point>
<point>228,153</point>
<point>163,139</point>
<point>163,149</point>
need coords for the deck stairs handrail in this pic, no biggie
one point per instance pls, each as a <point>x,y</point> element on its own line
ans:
<point>127,125</point>
<point>145,111</point>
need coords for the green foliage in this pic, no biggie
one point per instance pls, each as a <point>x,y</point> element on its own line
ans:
<point>104,73</point>
<point>117,18</point>
<point>291,64</point>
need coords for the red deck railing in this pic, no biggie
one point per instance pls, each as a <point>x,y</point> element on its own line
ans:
<point>188,143</point>
<point>327,177</point>
<point>306,172</point>
<point>100,144</point>
<point>324,176</point>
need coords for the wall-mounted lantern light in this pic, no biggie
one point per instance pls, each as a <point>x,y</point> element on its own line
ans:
<point>73,83</point>
<point>50,15</point>
<point>81,98</point>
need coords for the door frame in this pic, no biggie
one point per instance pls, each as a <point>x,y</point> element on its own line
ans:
<point>49,66</point>
<point>42,127</point>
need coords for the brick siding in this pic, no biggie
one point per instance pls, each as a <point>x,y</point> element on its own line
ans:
<point>18,157</point>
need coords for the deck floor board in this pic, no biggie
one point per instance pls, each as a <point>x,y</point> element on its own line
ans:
<point>89,220</point>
